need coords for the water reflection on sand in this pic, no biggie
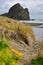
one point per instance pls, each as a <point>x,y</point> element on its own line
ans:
<point>37,27</point>
<point>38,32</point>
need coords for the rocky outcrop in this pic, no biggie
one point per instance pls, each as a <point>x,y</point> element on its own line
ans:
<point>18,12</point>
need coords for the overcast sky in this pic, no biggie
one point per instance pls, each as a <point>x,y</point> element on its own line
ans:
<point>35,7</point>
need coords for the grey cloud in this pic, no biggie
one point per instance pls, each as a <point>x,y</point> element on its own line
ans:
<point>35,13</point>
<point>40,6</point>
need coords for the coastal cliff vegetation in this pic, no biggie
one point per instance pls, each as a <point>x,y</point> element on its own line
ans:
<point>18,45</point>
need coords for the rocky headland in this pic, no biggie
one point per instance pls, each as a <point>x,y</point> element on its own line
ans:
<point>18,12</point>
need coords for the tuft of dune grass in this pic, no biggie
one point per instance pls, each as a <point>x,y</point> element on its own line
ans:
<point>10,24</point>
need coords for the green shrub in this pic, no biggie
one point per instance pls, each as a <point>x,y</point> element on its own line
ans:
<point>6,56</point>
<point>3,44</point>
<point>38,61</point>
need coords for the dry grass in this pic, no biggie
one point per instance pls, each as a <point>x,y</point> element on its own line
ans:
<point>41,48</point>
<point>10,24</point>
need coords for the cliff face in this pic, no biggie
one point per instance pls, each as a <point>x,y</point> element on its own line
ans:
<point>18,12</point>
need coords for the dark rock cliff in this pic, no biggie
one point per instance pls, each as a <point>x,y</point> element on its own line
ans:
<point>18,12</point>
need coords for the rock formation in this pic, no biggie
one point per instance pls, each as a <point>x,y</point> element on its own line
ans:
<point>18,12</point>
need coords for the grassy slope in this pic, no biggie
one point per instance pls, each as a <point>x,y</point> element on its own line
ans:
<point>11,24</point>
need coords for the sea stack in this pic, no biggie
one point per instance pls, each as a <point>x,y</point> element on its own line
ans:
<point>18,12</point>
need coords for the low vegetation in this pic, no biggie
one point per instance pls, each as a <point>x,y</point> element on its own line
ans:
<point>10,24</point>
<point>3,44</point>
<point>41,48</point>
<point>38,61</point>
<point>22,43</point>
<point>6,57</point>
